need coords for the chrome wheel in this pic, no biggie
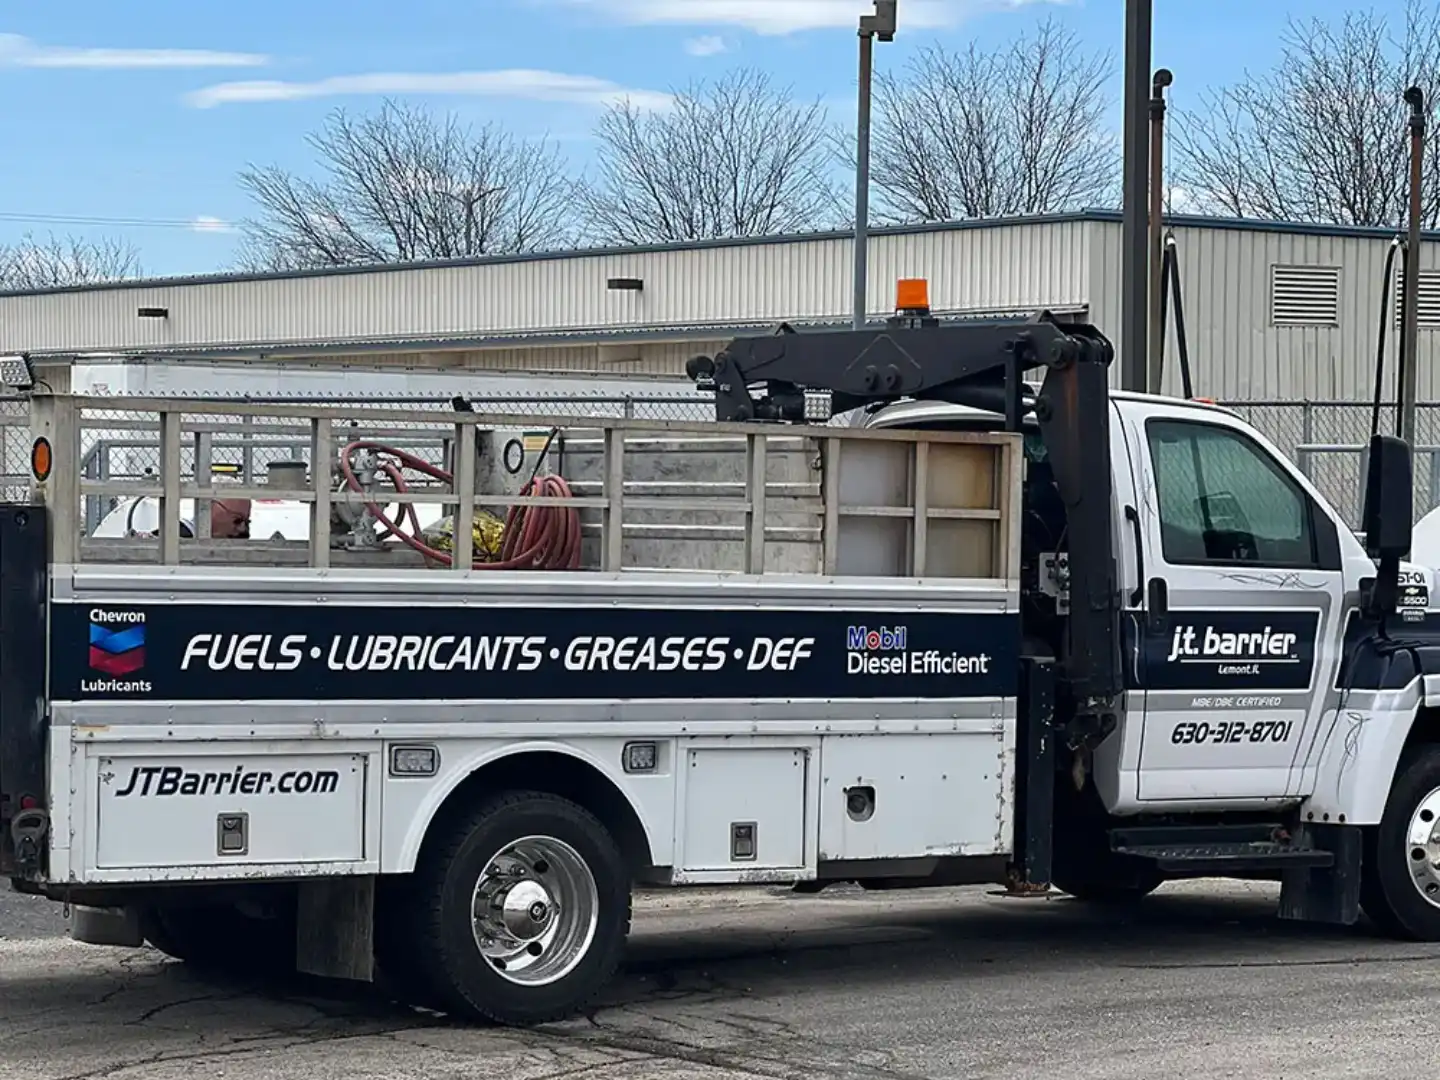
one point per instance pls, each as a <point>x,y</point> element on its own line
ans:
<point>1424,843</point>
<point>535,910</point>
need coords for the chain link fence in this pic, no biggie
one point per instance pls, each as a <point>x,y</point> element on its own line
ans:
<point>1325,439</point>
<point>120,444</point>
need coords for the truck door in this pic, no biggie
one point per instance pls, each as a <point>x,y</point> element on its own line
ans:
<point>1242,608</point>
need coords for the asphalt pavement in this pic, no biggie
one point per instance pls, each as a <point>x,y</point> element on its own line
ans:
<point>1200,981</point>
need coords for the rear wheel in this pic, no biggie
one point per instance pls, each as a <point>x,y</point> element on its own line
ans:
<point>520,911</point>
<point>223,938</point>
<point>1400,878</point>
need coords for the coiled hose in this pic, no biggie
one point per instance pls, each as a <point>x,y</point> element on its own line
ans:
<point>535,537</point>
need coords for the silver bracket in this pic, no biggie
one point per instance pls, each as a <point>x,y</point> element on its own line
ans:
<point>1055,579</point>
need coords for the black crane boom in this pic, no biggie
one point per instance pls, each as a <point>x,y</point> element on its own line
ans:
<point>981,364</point>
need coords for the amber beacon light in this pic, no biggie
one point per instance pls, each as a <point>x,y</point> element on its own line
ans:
<point>912,294</point>
<point>41,459</point>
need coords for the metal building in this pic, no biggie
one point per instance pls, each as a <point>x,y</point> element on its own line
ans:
<point>1282,319</point>
<point>1274,311</point>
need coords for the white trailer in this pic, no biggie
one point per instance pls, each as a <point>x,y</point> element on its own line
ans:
<point>1019,635</point>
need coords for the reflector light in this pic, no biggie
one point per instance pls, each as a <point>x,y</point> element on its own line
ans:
<point>414,761</point>
<point>41,459</point>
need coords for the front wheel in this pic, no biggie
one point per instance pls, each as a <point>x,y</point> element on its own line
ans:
<point>1119,887</point>
<point>1400,877</point>
<point>521,910</point>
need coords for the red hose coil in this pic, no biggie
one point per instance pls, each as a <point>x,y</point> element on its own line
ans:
<point>536,537</point>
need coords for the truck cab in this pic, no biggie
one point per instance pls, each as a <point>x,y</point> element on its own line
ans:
<point>1238,581</point>
<point>1255,687</point>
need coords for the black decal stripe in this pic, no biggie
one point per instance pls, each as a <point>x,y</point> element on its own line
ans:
<point>1201,669</point>
<point>334,652</point>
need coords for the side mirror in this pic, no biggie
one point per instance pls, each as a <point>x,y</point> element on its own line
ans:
<point>1388,517</point>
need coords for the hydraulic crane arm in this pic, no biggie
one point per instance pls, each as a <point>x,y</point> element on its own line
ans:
<point>982,365</point>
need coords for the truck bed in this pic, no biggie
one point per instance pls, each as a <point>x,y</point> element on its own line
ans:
<point>749,601</point>
<point>749,565</point>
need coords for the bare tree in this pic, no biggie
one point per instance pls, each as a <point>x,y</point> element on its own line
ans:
<point>403,185</point>
<point>735,158</point>
<point>54,262</point>
<point>1321,137</point>
<point>1016,130</point>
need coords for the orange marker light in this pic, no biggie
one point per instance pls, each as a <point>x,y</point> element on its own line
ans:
<point>41,459</point>
<point>912,294</point>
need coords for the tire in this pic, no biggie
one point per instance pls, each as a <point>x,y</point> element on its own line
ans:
<point>1084,866</point>
<point>1393,883</point>
<point>1123,886</point>
<point>571,904</point>
<point>399,972</point>
<point>222,939</point>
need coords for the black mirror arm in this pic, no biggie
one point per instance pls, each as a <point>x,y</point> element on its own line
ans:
<point>1384,593</point>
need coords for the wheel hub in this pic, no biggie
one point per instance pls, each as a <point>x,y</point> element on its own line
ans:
<point>526,910</point>
<point>535,910</point>
<point>1423,857</point>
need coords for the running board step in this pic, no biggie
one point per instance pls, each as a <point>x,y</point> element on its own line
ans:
<point>1221,858</point>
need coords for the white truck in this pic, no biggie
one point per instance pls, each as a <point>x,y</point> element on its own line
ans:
<point>990,632</point>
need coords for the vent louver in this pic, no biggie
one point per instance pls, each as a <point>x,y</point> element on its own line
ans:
<point>1305,295</point>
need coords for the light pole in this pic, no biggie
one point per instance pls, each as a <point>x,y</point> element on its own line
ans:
<point>1156,350</point>
<point>1134,280</point>
<point>881,25</point>
<point>1409,336</point>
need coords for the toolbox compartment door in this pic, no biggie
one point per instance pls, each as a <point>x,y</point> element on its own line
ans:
<point>205,809</point>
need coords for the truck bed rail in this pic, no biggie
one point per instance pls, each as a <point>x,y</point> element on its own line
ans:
<point>649,494</point>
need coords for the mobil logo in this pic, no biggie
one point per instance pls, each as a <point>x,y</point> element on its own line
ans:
<point>875,639</point>
<point>117,642</point>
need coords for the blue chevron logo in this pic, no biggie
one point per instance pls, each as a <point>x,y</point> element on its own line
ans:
<point>119,640</point>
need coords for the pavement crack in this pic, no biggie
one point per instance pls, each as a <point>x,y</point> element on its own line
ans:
<point>150,1014</point>
<point>276,1043</point>
<point>784,1064</point>
<point>1338,961</point>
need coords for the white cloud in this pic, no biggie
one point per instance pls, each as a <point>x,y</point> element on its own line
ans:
<point>515,83</point>
<point>1182,201</point>
<point>709,45</point>
<point>18,51</point>
<point>207,224</point>
<point>791,16</point>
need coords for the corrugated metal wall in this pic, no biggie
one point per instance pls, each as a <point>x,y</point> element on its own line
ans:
<point>972,268</point>
<point>1235,351</point>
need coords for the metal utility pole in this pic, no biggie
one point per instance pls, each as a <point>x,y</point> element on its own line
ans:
<point>881,25</point>
<point>1410,311</point>
<point>1134,281</point>
<point>1156,350</point>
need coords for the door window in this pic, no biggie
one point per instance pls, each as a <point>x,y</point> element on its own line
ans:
<point>1223,499</point>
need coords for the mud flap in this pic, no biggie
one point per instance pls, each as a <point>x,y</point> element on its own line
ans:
<point>1329,894</point>
<point>106,926</point>
<point>335,928</point>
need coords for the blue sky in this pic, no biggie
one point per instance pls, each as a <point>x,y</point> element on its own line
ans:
<point>135,118</point>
